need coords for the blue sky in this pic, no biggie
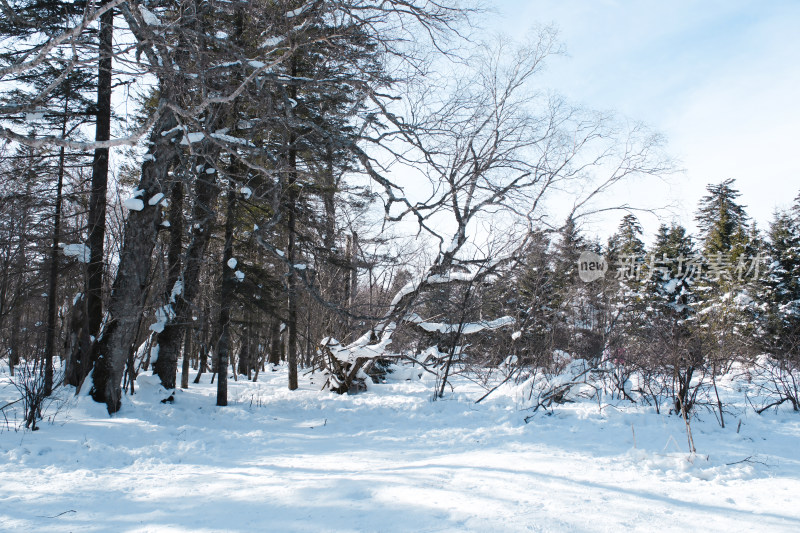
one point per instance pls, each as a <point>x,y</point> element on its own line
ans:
<point>720,79</point>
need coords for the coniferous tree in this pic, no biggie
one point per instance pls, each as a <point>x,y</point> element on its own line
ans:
<point>669,298</point>
<point>723,330</point>
<point>50,98</point>
<point>721,219</point>
<point>29,26</point>
<point>99,183</point>
<point>779,296</point>
<point>574,326</point>
<point>529,295</point>
<point>627,241</point>
<point>625,255</point>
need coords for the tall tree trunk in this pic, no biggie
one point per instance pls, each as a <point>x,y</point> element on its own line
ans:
<point>348,259</point>
<point>291,356</point>
<point>52,301</point>
<point>275,342</point>
<point>202,351</point>
<point>17,303</point>
<point>133,274</point>
<point>170,339</point>
<point>353,273</point>
<point>165,367</point>
<point>328,200</point>
<point>225,296</point>
<point>291,252</point>
<point>14,342</point>
<point>350,277</point>
<point>97,199</point>
<point>332,269</point>
<point>187,355</point>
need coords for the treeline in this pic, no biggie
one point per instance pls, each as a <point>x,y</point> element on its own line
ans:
<point>660,327</point>
<point>667,320</point>
<point>254,112</point>
<point>276,152</point>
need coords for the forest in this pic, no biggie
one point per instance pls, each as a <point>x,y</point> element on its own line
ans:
<point>195,192</point>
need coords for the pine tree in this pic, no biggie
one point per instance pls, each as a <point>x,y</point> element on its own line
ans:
<point>722,221</point>
<point>779,295</point>
<point>674,243</point>
<point>61,112</point>
<point>625,253</point>
<point>723,322</point>
<point>627,240</point>
<point>576,316</point>
<point>668,288</point>
<point>526,293</point>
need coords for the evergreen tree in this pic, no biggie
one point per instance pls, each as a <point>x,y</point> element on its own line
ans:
<point>674,243</point>
<point>62,106</point>
<point>722,221</point>
<point>526,293</point>
<point>627,240</point>
<point>724,328</point>
<point>625,254</point>
<point>779,294</point>
<point>576,315</point>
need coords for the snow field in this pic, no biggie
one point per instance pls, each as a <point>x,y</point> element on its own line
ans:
<point>391,459</point>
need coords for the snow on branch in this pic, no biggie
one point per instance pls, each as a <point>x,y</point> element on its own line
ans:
<point>466,328</point>
<point>72,33</point>
<point>47,140</point>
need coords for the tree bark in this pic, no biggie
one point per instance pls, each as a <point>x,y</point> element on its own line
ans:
<point>333,271</point>
<point>202,351</point>
<point>52,301</point>
<point>170,339</point>
<point>133,275</point>
<point>275,342</point>
<point>175,234</point>
<point>291,356</point>
<point>291,254</point>
<point>97,199</point>
<point>226,295</point>
<point>187,355</point>
<point>162,367</point>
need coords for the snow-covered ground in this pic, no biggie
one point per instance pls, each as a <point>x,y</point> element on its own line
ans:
<point>392,460</point>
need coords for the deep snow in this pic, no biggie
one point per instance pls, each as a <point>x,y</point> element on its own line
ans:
<point>391,459</point>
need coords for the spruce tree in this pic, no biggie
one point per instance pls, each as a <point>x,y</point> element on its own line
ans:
<point>576,316</point>
<point>627,240</point>
<point>721,219</point>
<point>723,323</point>
<point>779,312</point>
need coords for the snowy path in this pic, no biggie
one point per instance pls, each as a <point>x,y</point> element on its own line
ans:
<point>390,460</point>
